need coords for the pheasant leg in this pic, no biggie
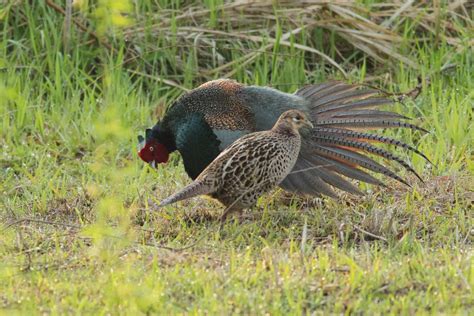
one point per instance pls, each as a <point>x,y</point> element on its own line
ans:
<point>226,213</point>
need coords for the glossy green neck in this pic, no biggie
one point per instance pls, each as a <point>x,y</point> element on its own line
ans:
<point>196,142</point>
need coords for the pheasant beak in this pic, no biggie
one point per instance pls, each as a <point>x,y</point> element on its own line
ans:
<point>152,164</point>
<point>307,123</point>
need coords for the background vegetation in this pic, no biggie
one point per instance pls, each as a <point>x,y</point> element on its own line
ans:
<point>80,79</point>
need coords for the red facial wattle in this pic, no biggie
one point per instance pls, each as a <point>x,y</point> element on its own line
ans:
<point>154,152</point>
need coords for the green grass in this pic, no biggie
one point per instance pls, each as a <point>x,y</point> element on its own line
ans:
<point>78,235</point>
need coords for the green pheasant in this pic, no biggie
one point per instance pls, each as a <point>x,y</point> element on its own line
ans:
<point>251,166</point>
<point>206,120</point>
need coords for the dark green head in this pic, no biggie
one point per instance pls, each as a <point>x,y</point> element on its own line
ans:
<point>156,146</point>
<point>189,134</point>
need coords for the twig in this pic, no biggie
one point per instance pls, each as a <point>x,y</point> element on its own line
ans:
<point>414,92</point>
<point>67,25</point>
<point>397,13</point>
<point>369,233</point>
<point>304,235</point>
<point>242,61</point>
<point>84,28</point>
<point>41,221</point>
<point>110,236</point>
<point>175,249</point>
<point>260,39</point>
<point>165,81</point>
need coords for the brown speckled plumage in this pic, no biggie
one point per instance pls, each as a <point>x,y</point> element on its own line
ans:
<point>206,120</point>
<point>208,99</point>
<point>251,166</point>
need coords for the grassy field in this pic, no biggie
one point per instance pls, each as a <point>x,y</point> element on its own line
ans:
<point>78,235</point>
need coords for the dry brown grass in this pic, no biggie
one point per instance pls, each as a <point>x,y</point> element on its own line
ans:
<point>378,33</point>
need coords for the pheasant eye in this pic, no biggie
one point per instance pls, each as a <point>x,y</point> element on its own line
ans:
<point>151,148</point>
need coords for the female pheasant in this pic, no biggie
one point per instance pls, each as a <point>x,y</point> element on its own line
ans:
<point>206,120</point>
<point>251,166</point>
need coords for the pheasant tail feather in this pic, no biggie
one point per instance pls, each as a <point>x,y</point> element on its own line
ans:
<point>198,187</point>
<point>338,146</point>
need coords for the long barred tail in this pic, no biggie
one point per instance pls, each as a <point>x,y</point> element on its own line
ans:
<point>338,144</point>
<point>197,187</point>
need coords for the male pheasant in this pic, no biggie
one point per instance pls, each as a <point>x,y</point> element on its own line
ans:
<point>206,120</point>
<point>251,166</point>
